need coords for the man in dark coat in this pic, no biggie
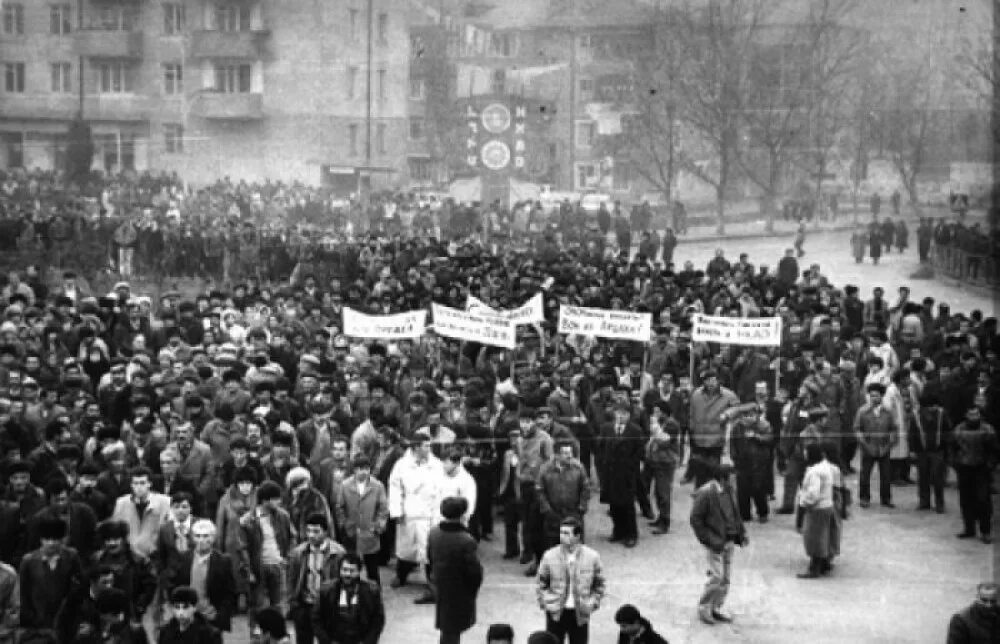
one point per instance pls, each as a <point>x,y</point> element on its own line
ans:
<point>187,626</point>
<point>750,447</point>
<point>217,600</point>
<point>47,576</point>
<point>621,453</point>
<point>979,621</point>
<point>456,571</point>
<point>79,516</point>
<point>360,618</point>
<point>634,628</point>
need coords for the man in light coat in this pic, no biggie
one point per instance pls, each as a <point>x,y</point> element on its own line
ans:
<point>144,512</point>
<point>570,584</point>
<point>413,493</point>
<point>362,513</point>
<point>456,482</point>
<point>708,433</point>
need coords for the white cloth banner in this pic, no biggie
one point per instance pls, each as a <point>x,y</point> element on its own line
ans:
<point>397,326</point>
<point>758,332</point>
<point>605,323</point>
<point>474,326</point>
<point>531,312</point>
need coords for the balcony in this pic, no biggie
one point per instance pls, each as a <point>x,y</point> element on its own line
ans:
<point>63,107</point>
<point>99,43</point>
<point>225,106</point>
<point>229,44</point>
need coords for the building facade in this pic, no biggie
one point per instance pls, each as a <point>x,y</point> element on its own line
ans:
<point>250,89</point>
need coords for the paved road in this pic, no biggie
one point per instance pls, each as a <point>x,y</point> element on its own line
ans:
<point>900,577</point>
<point>833,253</point>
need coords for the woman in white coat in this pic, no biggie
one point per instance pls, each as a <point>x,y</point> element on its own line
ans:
<point>895,401</point>
<point>821,527</point>
<point>413,494</point>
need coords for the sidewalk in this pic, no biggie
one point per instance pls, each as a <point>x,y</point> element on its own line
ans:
<point>758,228</point>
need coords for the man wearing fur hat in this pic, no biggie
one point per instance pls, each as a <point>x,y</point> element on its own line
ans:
<point>47,576</point>
<point>133,573</point>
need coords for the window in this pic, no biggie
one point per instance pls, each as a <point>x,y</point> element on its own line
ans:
<point>352,81</point>
<point>416,89</point>
<point>504,45</point>
<point>585,132</point>
<point>498,81</point>
<point>420,169</point>
<point>114,18</point>
<point>60,19</point>
<point>352,21</point>
<point>233,79</point>
<point>380,138</point>
<point>62,78</point>
<point>173,78</point>
<point>416,128</point>
<point>173,18</point>
<point>382,28</point>
<point>232,17</point>
<point>13,77</point>
<point>114,77</point>
<point>173,138</point>
<point>583,42</point>
<point>586,175</point>
<point>352,135</point>
<point>586,86</point>
<point>13,19</point>
<point>382,87</point>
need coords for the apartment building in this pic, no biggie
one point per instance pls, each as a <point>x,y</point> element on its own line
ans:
<point>250,89</point>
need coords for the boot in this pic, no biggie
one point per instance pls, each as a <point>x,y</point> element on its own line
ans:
<point>813,572</point>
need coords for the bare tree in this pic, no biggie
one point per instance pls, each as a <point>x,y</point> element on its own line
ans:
<point>711,49</point>
<point>904,120</point>
<point>649,136</point>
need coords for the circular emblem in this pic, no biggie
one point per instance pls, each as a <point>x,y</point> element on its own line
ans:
<point>496,155</point>
<point>496,118</point>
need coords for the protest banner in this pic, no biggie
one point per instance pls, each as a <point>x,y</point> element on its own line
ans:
<point>531,312</point>
<point>398,326</point>
<point>758,332</point>
<point>605,323</point>
<point>474,326</point>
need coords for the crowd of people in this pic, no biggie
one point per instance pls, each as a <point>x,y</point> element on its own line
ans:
<point>168,464</point>
<point>143,225</point>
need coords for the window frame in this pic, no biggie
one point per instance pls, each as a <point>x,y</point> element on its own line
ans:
<point>12,19</point>
<point>15,77</point>
<point>61,77</point>
<point>173,138</point>
<point>60,19</point>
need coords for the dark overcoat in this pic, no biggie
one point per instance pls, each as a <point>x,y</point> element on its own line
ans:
<point>457,575</point>
<point>621,457</point>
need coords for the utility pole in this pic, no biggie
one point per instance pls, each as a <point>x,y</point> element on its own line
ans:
<point>572,96</point>
<point>368,118</point>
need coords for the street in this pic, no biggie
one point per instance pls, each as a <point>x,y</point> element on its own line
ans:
<point>900,576</point>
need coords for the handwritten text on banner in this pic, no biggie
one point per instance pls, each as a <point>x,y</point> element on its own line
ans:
<point>474,326</point>
<point>605,323</point>
<point>759,332</point>
<point>387,327</point>
<point>532,311</point>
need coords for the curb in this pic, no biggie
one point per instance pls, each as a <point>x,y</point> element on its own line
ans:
<point>756,235</point>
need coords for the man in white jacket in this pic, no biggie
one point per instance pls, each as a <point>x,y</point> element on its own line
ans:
<point>456,481</point>
<point>414,486</point>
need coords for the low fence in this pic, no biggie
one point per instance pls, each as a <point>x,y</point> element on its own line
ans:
<point>978,268</point>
